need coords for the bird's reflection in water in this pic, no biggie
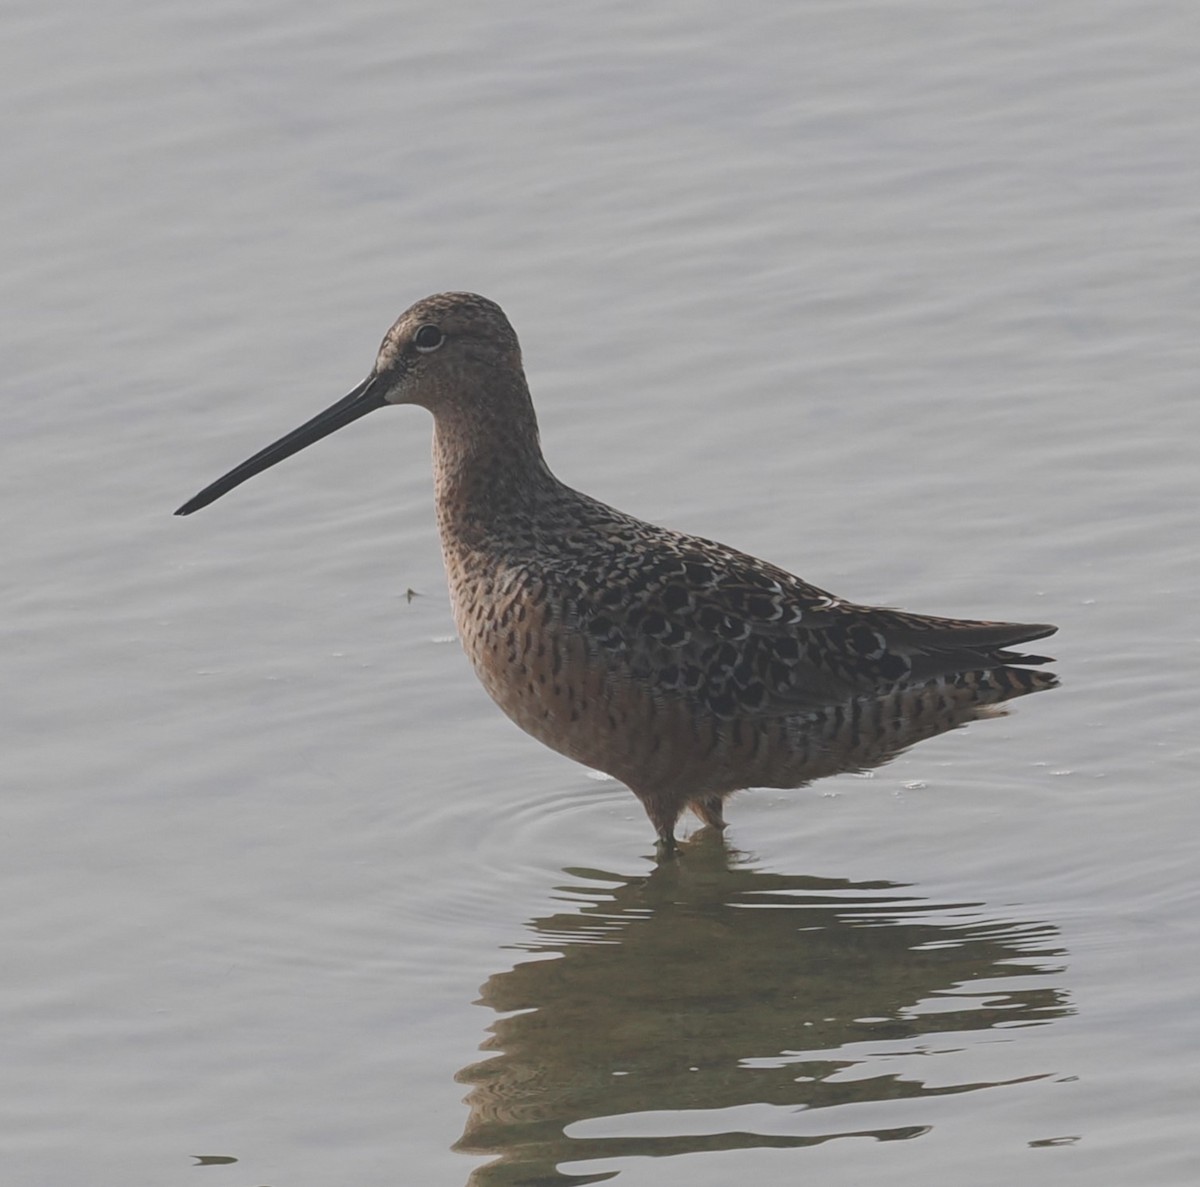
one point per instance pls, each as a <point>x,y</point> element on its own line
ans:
<point>711,985</point>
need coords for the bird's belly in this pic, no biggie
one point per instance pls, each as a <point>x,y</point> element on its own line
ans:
<point>548,681</point>
<point>545,682</point>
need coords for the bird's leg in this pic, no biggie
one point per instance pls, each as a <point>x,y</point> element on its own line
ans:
<point>663,813</point>
<point>710,809</point>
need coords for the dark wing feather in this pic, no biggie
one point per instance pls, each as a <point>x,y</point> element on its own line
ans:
<point>693,617</point>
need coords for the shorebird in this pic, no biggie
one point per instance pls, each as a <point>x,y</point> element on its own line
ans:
<point>682,667</point>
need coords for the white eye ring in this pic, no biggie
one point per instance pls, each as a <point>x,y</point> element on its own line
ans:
<point>428,338</point>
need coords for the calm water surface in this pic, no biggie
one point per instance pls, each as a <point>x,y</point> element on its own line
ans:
<point>900,296</point>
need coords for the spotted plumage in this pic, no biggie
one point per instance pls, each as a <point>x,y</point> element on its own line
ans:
<point>679,665</point>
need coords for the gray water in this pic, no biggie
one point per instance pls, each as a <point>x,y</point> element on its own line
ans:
<point>900,296</point>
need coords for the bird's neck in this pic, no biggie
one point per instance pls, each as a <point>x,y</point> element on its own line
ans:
<point>488,464</point>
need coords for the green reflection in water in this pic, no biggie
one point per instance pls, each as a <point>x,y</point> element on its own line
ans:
<point>711,985</point>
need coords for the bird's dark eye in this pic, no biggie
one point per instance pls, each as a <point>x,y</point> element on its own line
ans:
<point>428,338</point>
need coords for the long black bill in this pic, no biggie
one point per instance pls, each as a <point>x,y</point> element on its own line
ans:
<point>363,399</point>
